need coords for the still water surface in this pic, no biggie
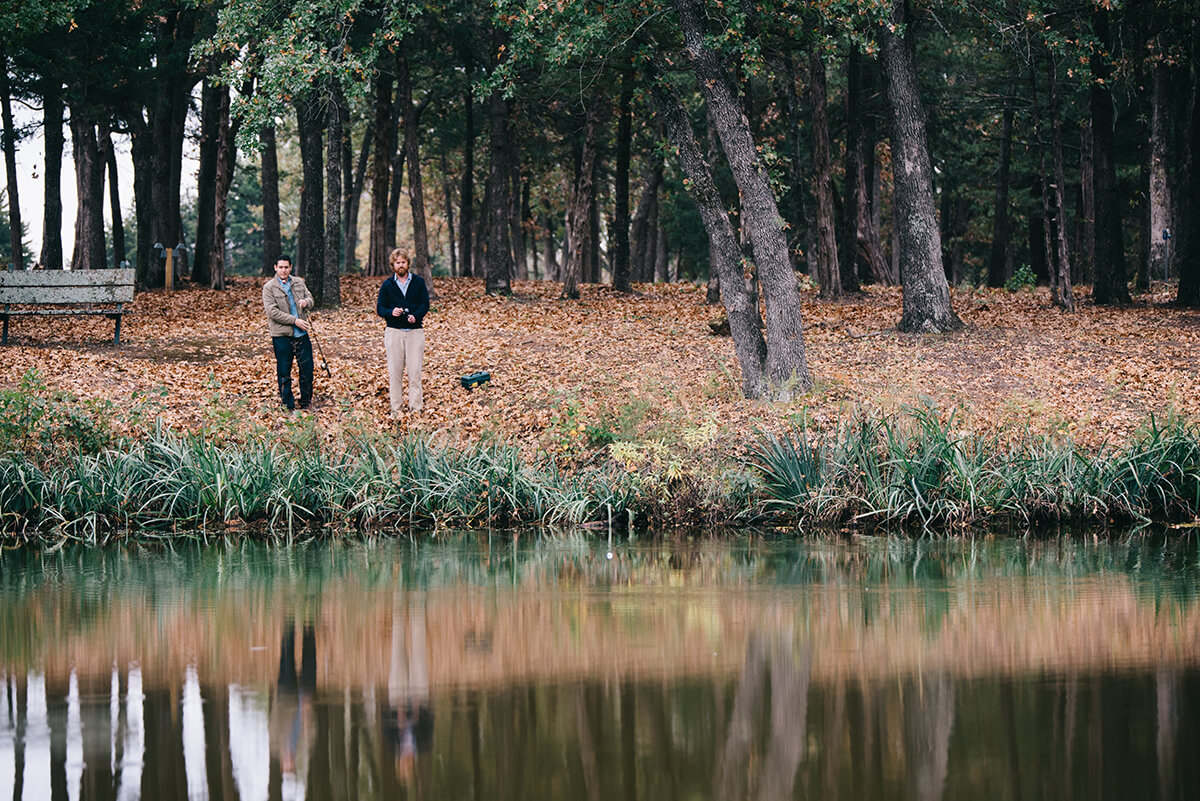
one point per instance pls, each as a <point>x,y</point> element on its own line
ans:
<point>874,669</point>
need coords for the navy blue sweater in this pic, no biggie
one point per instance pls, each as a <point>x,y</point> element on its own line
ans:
<point>416,301</point>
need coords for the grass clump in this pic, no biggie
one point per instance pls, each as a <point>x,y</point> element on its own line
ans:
<point>922,469</point>
<point>64,472</point>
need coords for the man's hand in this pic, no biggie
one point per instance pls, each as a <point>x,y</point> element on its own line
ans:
<point>303,325</point>
<point>398,312</point>
<point>306,303</point>
<point>412,319</point>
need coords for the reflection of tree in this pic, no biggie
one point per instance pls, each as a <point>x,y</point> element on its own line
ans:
<point>1167,697</point>
<point>928,721</point>
<point>789,677</point>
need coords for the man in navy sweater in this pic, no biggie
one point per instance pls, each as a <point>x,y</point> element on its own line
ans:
<point>403,301</point>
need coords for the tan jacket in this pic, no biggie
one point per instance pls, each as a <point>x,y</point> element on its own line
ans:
<point>280,320</point>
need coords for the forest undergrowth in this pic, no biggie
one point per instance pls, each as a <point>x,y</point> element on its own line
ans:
<point>613,412</point>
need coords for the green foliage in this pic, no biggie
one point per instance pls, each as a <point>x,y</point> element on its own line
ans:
<point>1022,278</point>
<point>921,469</point>
<point>42,424</point>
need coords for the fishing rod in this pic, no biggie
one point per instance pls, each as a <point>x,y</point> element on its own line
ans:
<point>312,332</point>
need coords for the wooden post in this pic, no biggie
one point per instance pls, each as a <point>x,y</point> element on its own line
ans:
<point>170,284</point>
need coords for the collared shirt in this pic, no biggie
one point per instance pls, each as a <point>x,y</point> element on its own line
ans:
<point>287,290</point>
<point>403,284</point>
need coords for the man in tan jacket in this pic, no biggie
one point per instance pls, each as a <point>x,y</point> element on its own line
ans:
<point>285,299</point>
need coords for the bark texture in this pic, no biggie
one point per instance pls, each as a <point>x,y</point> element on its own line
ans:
<point>212,97</point>
<point>354,198</point>
<point>466,214</point>
<point>310,263</point>
<point>52,133</point>
<point>621,277</point>
<point>377,263</point>
<point>114,202</point>
<point>226,160</point>
<point>499,251</point>
<point>1111,284</point>
<point>579,217</point>
<point>272,245</point>
<point>1188,228</point>
<point>829,278</point>
<point>926,305</point>
<point>1159,189</point>
<point>334,123</point>
<point>1001,228</point>
<point>10,165</point>
<point>725,256</point>
<point>416,188</point>
<point>88,253</point>
<point>787,362</point>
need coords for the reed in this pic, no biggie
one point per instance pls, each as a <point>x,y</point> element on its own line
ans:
<point>921,469</point>
<point>918,469</point>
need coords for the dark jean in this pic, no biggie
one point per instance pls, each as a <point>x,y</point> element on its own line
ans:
<point>300,349</point>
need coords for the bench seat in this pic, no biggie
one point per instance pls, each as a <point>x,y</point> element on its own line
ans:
<point>71,292</point>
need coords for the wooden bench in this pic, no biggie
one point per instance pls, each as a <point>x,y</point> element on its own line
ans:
<point>95,292</point>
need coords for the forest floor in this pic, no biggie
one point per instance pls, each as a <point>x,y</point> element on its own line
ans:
<point>567,376</point>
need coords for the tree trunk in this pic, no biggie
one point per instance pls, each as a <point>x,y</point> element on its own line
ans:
<point>1159,189</point>
<point>466,200</point>
<point>335,121</point>
<point>1001,230</point>
<point>114,202</point>
<point>787,363</point>
<point>550,254</point>
<point>311,249</point>
<point>1187,231</point>
<point>622,279</point>
<point>1111,286</point>
<point>272,243</point>
<point>499,250</point>
<point>396,157</point>
<point>1040,253</point>
<point>800,232</point>
<point>377,260</point>
<point>52,134</point>
<point>448,210</point>
<point>416,188</point>
<point>725,256</point>
<point>225,162</point>
<point>515,220</point>
<point>829,277</point>
<point>661,263</point>
<point>89,193</point>
<point>1065,296</point>
<point>579,218</point>
<point>1087,203</point>
<point>851,221</point>
<point>926,294</point>
<point>592,262</point>
<point>213,98</point>
<point>10,165</point>
<point>641,251</point>
<point>1045,228</point>
<point>148,267</point>
<point>354,198</point>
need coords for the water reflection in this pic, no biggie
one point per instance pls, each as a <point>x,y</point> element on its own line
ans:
<point>752,673</point>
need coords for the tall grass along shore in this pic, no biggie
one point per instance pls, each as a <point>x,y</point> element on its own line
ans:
<point>69,471</point>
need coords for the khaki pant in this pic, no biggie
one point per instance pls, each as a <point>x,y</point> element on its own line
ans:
<point>404,348</point>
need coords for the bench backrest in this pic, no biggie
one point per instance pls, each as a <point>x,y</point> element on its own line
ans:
<point>66,286</point>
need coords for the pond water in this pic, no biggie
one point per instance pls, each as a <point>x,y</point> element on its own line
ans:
<point>483,669</point>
